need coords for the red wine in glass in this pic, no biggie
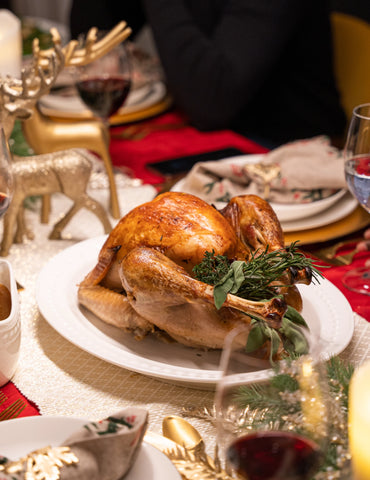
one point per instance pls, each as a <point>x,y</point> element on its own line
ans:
<point>274,455</point>
<point>104,95</point>
<point>103,84</point>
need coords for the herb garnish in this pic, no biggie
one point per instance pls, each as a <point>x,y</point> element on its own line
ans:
<point>256,275</point>
<point>252,280</point>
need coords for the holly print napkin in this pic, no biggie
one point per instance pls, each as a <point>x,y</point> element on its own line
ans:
<point>298,172</point>
<point>103,450</point>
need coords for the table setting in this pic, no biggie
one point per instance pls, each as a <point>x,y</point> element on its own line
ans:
<point>99,385</point>
<point>76,391</point>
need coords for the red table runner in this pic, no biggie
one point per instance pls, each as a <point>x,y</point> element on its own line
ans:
<point>360,303</point>
<point>165,138</point>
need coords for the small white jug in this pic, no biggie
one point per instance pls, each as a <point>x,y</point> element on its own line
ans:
<point>10,327</point>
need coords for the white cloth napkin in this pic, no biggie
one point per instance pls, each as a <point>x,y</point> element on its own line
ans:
<point>307,170</point>
<point>105,450</point>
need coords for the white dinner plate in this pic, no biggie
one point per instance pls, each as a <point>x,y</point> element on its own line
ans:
<point>343,207</point>
<point>70,106</point>
<point>20,436</point>
<point>325,309</point>
<point>286,212</point>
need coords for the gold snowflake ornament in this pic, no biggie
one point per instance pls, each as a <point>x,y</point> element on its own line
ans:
<point>42,464</point>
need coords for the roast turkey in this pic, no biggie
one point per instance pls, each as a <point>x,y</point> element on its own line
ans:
<point>143,281</point>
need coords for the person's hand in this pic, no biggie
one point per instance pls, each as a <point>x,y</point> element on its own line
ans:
<point>365,245</point>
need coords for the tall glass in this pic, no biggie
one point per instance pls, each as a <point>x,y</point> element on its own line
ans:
<point>279,429</point>
<point>357,172</point>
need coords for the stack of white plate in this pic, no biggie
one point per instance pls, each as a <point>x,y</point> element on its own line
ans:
<point>304,216</point>
<point>296,217</point>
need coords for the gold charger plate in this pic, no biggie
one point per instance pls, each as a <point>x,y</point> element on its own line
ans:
<point>356,220</point>
<point>143,114</point>
<point>120,118</point>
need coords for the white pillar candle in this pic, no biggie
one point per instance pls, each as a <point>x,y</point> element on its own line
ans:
<point>10,44</point>
<point>359,422</point>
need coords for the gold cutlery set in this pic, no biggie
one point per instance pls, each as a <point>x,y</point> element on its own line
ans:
<point>13,410</point>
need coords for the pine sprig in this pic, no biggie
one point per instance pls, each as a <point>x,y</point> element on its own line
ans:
<point>340,375</point>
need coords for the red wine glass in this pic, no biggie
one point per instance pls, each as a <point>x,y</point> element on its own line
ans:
<point>6,174</point>
<point>278,428</point>
<point>357,171</point>
<point>104,84</point>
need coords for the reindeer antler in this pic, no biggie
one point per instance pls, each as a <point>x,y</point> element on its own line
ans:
<point>19,96</point>
<point>35,81</point>
<point>92,49</point>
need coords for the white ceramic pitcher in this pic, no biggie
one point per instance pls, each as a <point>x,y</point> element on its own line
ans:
<point>10,328</point>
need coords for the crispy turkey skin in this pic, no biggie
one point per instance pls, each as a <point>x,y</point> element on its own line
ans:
<point>143,280</point>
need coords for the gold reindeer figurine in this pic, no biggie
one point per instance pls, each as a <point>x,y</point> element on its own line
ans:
<point>67,172</point>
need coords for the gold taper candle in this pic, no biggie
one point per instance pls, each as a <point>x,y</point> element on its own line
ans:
<point>359,422</point>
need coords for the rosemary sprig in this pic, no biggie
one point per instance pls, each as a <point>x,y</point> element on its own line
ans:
<point>259,272</point>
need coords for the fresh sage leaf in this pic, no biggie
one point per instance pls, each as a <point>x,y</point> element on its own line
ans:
<point>275,343</point>
<point>230,283</point>
<point>256,338</point>
<point>219,294</point>
<point>294,316</point>
<point>295,335</point>
<point>238,275</point>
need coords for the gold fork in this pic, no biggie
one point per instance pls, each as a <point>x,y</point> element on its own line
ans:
<point>328,253</point>
<point>3,398</point>
<point>13,410</point>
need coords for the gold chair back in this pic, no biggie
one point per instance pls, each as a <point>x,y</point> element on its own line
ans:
<point>351,42</point>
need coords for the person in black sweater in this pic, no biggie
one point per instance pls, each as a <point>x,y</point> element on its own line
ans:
<point>259,67</point>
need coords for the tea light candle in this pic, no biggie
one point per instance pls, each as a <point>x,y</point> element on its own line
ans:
<point>10,44</point>
<point>359,422</point>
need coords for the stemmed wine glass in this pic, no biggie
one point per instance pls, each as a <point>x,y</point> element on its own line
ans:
<point>357,172</point>
<point>278,429</point>
<point>6,174</point>
<point>103,86</point>
<point>104,83</point>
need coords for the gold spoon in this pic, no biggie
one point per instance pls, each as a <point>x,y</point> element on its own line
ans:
<point>184,434</point>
